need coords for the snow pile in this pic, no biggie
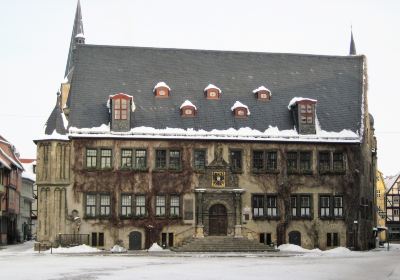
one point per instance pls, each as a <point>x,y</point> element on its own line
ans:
<point>187,103</point>
<point>338,251</point>
<point>297,99</point>
<point>211,86</point>
<point>239,104</point>
<point>76,249</point>
<point>161,84</point>
<point>118,249</point>
<point>155,248</point>
<point>296,248</point>
<point>262,88</point>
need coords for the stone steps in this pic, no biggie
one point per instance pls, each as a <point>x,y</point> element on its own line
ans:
<point>222,244</point>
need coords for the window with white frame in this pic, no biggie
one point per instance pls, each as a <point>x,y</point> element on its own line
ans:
<point>160,205</point>
<point>140,202</point>
<point>126,205</point>
<point>174,206</point>
<point>105,204</point>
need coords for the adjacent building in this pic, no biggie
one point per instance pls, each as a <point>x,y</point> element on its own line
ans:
<point>28,203</point>
<point>162,145</point>
<point>10,192</point>
<point>393,206</point>
<point>381,206</point>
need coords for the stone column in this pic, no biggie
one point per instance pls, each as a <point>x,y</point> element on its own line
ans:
<point>238,216</point>
<point>199,224</point>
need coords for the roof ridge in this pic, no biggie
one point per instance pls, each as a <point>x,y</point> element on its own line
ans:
<point>219,51</point>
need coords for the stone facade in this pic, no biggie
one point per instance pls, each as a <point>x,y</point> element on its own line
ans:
<point>64,180</point>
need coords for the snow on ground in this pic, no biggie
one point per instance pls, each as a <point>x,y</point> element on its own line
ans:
<point>74,250</point>
<point>20,262</point>
<point>155,248</point>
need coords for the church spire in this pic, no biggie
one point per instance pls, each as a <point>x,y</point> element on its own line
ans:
<point>352,44</point>
<point>77,37</point>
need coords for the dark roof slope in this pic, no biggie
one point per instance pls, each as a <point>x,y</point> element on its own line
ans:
<point>336,82</point>
<point>55,121</point>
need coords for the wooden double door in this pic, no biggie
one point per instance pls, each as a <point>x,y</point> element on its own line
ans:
<point>218,220</point>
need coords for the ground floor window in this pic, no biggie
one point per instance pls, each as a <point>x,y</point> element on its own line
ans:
<point>265,238</point>
<point>332,239</point>
<point>97,239</point>
<point>167,239</point>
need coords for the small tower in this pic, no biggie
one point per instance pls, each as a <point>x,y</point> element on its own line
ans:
<point>352,45</point>
<point>77,37</point>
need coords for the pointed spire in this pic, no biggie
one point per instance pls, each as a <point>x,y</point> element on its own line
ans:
<point>352,44</point>
<point>77,37</point>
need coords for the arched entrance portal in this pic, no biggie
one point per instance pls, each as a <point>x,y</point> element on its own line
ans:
<point>135,240</point>
<point>218,220</point>
<point>295,238</point>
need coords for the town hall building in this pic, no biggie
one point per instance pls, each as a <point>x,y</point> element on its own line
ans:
<point>178,146</point>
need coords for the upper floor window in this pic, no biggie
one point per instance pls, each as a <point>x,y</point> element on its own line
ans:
<point>160,205</point>
<point>331,206</point>
<point>236,160</point>
<point>299,162</point>
<point>168,159</point>
<point>90,205</point>
<point>212,92</point>
<point>262,93</point>
<point>140,205</point>
<point>301,206</point>
<point>265,161</point>
<point>134,158</point>
<point>240,110</point>
<point>97,204</point>
<point>174,206</point>
<point>331,162</point>
<point>105,205</point>
<point>199,159</point>
<point>272,209</point>
<point>91,158</point>
<point>126,205</point>
<point>162,90</point>
<point>105,158</point>
<point>258,205</point>
<point>188,109</point>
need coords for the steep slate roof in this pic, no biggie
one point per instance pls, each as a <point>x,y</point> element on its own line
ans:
<point>335,81</point>
<point>55,122</point>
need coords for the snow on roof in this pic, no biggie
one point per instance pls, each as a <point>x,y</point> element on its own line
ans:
<point>211,86</point>
<point>244,133</point>
<point>297,99</point>
<point>80,35</point>
<point>239,104</point>
<point>261,88</point>
<point>28,172</point>
<point>53,136</point>
<point>161,84</point>
<point>390,181</point>
<point>13,161</point>
<point>187,103</point>
<point>133,106</point>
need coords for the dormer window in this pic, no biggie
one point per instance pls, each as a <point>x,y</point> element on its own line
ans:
<point>212,92</point>
<point>303,111</point>
<point>161,90</point>
<point>120,106</point>
<point>120,109</point>
<point>240,110</point>
<point>188,109</point>
<point>262,93</point>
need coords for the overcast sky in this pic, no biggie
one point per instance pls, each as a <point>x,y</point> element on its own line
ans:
<point>35,39</point>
